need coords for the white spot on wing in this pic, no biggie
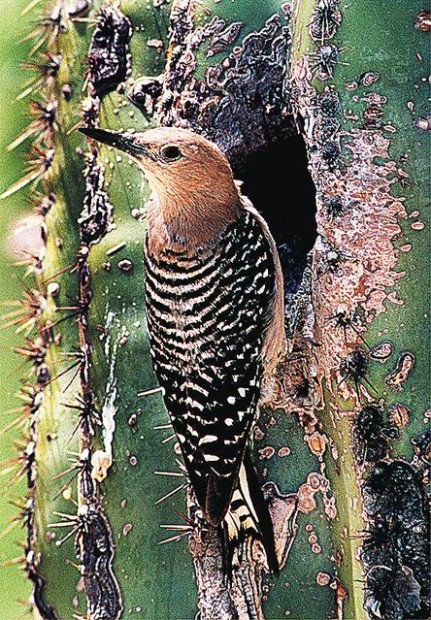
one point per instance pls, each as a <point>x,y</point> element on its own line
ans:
<point>211,457</point>
<point>208,439</point>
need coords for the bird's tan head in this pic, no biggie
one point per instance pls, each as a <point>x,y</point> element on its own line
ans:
<point>190,176</point>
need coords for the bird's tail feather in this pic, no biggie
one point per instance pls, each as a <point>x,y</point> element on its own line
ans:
<point>248,514</point>
<point>217,497</point>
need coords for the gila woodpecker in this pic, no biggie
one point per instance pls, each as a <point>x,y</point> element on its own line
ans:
<point>214,292</point>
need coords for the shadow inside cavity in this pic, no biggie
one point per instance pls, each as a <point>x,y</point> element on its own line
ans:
<point>279,184</point>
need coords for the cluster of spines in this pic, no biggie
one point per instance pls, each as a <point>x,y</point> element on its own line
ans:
<point>114,28</point>
<point>395,544</point>
<point>27,315</point>
<point>323,26</point>
<point>108,65</point>
<point>327,127</point>
<point>30,316</point>
<point>24,464</point>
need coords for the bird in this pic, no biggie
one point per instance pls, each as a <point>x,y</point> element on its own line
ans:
<point>215,314</point>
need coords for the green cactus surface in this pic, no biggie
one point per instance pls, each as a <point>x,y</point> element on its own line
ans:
<point>332,93</point>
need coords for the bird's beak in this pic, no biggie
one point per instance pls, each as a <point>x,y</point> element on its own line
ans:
<point>126,142</point>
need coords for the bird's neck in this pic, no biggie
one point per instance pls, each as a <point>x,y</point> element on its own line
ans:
<point>188,223</point>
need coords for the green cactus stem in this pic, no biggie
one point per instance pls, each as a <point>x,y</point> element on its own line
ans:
<point>341,446</point>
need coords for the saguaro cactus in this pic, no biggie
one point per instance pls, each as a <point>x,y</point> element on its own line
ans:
<point>328,132</point>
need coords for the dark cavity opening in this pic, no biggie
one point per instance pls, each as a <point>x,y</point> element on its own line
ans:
<point>279,184</point>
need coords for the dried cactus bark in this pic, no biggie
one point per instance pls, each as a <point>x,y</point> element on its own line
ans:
<point>342,428</point>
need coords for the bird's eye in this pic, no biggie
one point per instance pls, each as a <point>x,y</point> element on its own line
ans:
<point>170,153</point>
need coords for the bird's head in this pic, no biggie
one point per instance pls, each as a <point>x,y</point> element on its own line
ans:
<point>177,162</point>
<point>191,178</point>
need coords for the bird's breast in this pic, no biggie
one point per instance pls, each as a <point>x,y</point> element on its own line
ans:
<point>204,309</point>
<point>183,301</point>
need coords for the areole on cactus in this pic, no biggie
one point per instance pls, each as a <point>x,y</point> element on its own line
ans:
<point>327,130</point>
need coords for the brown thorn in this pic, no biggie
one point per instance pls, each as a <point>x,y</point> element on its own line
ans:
<point>59,273</point>
<point>74,564</point>
<point>175,538</point>
<point>12,525</point>
<point>29,7</point>
<point>51,325</point>
<point>65,472</point>
<point>176,527</point>
<point>79,366</point>
<point>78,125</point>
<point>64,372</point>
<point>13,313</point>
<point>73,433</point>
<point>31,88</point>
<point>19,421</point>
<point>166,439</point>
<point>169,473</point>
<point>26,180</point>
<point>69,535</point>
<point>14,562</point>
<point>162,499</point>
<point>68,483</point>
<point>38,44</point>
<point>16,478</point>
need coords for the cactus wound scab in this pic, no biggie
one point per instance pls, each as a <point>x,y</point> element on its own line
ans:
<point>108,57</point>
<point>109,62</point>
<point>355,282</point>
<point>355,272</point>
<point>398,377</point>
<point>394,552</point>
<point>365,269</point>
<point>240,103</point>
<point>96,215</point>
<point>108,65</point>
